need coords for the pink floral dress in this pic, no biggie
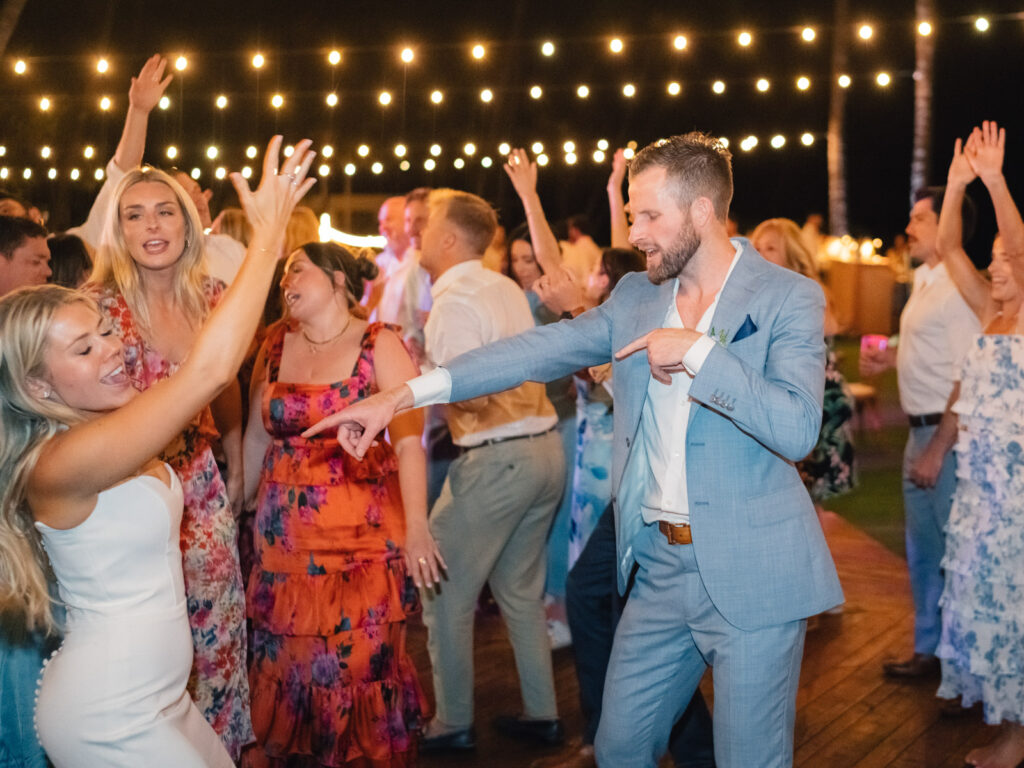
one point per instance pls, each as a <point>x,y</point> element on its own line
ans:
<point>332,684</point>
<point>209,544</point>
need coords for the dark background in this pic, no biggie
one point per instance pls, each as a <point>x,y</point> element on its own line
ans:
<point>977,76</point>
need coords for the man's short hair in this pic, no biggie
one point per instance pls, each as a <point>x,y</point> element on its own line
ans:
<point>968,210</point>
<point>472,215</point>
<point>14,231</point>
<point>418,195</point>
<point>696,165</point>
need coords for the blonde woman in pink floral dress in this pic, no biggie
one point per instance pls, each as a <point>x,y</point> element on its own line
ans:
<point>157,295</point>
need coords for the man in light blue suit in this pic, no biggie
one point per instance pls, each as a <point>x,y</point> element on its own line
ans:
<point>718,374</point>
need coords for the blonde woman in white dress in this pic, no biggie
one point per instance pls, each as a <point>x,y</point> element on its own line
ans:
<point>80,484</point>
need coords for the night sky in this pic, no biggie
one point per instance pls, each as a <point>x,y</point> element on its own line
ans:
<point>60,40</point>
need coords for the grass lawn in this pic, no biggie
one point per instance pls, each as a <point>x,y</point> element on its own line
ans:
<point>876,503</point>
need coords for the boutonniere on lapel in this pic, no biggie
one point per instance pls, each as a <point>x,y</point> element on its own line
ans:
<point>721,336</point>
<point>749,328</point>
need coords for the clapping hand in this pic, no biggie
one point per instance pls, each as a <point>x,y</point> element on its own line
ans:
<point>961,171</point>
<point>147,89</point>
<point>270,206</point>
<point>985,149</point>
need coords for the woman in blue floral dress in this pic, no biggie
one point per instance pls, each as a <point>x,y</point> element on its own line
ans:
<point>982,643</point>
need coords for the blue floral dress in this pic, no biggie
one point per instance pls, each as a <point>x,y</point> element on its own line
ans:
<point>982,644</point>
<point>592,475</point>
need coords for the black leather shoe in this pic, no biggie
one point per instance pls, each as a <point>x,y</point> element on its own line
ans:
<point>454,741</point>
<point>920,666</point>
<point>549,732</point>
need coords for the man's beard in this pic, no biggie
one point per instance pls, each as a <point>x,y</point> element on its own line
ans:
<point>675,259</point>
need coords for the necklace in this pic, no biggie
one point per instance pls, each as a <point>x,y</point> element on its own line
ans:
<point>314,346</point>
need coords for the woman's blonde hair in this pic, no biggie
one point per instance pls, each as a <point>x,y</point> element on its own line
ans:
<point>798,257</point>
<point>115,268</point>
<point>235,225</point>
<point>26,423</point>
<point>303,227</point>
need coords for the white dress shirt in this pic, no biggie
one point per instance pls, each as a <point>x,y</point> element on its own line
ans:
<point>406,299</point>
<point>661,441</point>
<point>473,306</point>
<point>936,329</point>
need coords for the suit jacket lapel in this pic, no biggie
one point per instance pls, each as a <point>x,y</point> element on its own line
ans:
<point>639,321</point>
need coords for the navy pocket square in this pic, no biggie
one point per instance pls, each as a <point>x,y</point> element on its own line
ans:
<point>747,329</point>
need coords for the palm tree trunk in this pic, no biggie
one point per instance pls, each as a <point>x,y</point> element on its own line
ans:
<point>924,50</point>
<point>9,15</point>
<point>838,224</point>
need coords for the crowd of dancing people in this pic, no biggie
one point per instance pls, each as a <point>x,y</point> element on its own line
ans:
<point>235,459</point>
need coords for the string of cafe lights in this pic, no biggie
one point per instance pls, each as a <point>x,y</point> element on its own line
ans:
<point>678,42</point>
<point>398,157</point>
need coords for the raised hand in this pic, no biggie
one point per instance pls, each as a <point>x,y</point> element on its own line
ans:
<point>961,172</point>
<point>522,172</point>
<point>270,206</point>
<point>618,173</point>
<point>985,150</point>
<point>146,89</point>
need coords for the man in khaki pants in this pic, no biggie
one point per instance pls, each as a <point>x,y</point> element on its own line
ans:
<point>496,507</point>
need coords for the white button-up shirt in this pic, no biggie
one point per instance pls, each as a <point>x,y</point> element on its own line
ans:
<point>661,442</point>
<point>936,329</point>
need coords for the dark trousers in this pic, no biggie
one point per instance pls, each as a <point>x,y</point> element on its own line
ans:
<point>594,606</point>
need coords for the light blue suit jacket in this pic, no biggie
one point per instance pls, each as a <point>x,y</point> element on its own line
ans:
<point>758,543</point>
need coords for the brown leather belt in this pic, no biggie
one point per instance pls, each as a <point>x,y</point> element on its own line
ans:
<point>676,534</point>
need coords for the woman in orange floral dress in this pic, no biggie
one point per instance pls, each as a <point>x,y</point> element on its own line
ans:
<point>338,542</point>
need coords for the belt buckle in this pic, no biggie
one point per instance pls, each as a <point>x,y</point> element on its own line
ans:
<point>676,534</point>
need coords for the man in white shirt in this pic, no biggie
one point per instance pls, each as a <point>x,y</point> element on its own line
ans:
<point>719,367</point>
<point>391,226</point>
<point>936,328</point>
<point>492,517</point>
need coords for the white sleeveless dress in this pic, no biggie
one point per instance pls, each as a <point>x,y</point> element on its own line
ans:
<point>114,693</point>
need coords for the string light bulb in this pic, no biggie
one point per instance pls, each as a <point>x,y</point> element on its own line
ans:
<point>744,39</point>
<point>327,151</point>
<point>615,45</point>
<point>350,169</point>
<point>251,151</point>
<point>88,152</point>
<point>377,168</point>
<point>569,146</point>
<point>435,150</point>
<point>469,149</point>
<point>673,88</point>
<point>865,32</point>
<point>20,67</point>
<point>808,34</point>
<point>570,158</point>
<point>598,156</point>
<point>258,61</point>
<point>331,99</point>
<point>102,66</point>
<point>844,81</point>
<point>429,164</point>
<point>221,172</point>
<point>196,173</point>
<point>778,141</point>
<point>246,172</point>
<point>547,48</point>
<point>486,95</point>
<point>981,24</point>
<point>407,55</point>
<point>45,104</point>
<point>924,29</point>
<point>363,150</point>
<point>602,144</point>
<point>212,152</point>
<point>98,174</point>
<point>537,147</point>
<point>334,58</point>
<point>172,152</point>
<point>324,169</point>
<point>52,173</point>
<point>803,83</point>
<point>536,92</point>
<point>437,97</point>
<point>221,102</point>
<point>74,174</point>
<point>486,162</point>
<point>763,85</point>
<point>400,150</point>
<point>45,152</point>
<point>629,90</point>
<point>384,98</point>
<point>582,91</point>
<point>181,63</point>
<point>807,139</point>
<point>459,163</point>
<point>679,42</point>
<point>105,103</point>
<point>504,149</point>
<point>718,87</point>
<point>542,160</point>
<point>478,52</point>
<point>277,101</point>
<point>164,103</point>
<point>883,79</point>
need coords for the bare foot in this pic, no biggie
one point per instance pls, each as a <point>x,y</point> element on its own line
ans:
<point>1007,751</point>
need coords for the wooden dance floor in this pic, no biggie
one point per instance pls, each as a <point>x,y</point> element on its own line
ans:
<point>848,714</point>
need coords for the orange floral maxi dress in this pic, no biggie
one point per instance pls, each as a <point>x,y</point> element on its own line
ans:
<point>329,592</point>
<point>209,543</point>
